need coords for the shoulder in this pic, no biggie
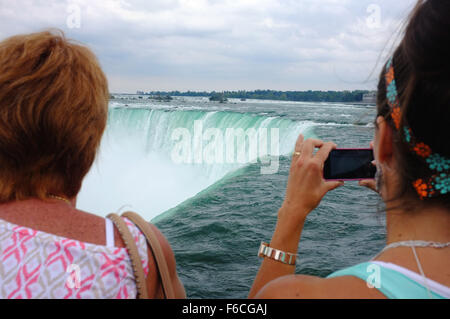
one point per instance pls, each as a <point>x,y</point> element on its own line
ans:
<point>153,279</point>
<point>166,249</point>
<point>310,287</point>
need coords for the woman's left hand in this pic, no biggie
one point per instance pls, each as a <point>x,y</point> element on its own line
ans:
<point>306,186</point>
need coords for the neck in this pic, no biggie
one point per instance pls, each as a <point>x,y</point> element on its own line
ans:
<point>70,201</point>
<point>429,224</point>
<point>424,222</point>
<point>35,202</point>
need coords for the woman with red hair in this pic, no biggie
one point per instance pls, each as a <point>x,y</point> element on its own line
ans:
<point>53,112</point>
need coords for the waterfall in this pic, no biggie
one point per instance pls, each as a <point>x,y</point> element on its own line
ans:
<point>137,166</point>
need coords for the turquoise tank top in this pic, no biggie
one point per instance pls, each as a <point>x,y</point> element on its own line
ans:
<point>391,283</point>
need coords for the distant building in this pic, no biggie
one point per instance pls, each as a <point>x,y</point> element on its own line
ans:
<point>370,98</point>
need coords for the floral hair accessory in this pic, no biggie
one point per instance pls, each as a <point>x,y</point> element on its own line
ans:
<point>439,182</point>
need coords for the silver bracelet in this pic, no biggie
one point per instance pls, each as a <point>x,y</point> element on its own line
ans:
<point>286,258</point>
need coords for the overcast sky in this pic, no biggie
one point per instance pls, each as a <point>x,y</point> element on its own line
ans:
<point>223,44</point>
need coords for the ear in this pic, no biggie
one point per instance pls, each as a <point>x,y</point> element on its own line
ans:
<point>384,142</point>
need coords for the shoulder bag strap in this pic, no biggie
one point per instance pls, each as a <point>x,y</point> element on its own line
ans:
<point>136,261</point>
<point>155,246</point>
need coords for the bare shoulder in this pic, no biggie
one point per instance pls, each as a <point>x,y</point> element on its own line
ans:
<point>166,248</point>
<point>310,287</point>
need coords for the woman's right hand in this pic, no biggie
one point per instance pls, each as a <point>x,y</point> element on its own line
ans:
<point>305,189</point>
<point>306,185</point>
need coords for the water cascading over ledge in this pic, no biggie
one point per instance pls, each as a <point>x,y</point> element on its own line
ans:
<point>136,168</point>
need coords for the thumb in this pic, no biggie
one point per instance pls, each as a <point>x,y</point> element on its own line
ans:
<point>369,183</point>
<point>333,185</point>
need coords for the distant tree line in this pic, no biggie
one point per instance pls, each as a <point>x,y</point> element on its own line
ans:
<point>303,96</point>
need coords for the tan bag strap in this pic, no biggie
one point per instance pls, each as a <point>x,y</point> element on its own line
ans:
<point>136,261</point>
<point>155,246</point>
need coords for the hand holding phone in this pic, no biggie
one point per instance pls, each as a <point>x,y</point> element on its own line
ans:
<point>349,165</point>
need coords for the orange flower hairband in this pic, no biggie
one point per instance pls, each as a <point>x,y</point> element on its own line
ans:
<point>439,182</point>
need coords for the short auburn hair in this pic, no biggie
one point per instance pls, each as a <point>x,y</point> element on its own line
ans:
<point>53,111</point>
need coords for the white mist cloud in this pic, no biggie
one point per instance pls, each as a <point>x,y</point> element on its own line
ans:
<point>206,45</point>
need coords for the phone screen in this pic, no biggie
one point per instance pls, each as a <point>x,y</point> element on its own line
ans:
<point>349,164</point>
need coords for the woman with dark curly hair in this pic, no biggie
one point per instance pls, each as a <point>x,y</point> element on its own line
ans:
<point>53,111</point>
<point>412,152</point>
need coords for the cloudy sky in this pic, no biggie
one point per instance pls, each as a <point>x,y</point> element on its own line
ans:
<point>223,44</point>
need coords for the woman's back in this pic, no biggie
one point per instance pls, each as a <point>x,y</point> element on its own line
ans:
<point>51,250</point>
<point>397,274</point>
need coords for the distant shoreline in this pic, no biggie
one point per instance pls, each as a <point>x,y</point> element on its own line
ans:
<point>347,97</point>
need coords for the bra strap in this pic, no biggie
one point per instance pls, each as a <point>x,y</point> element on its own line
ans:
<point>109,230</point>
<point>133,252</point>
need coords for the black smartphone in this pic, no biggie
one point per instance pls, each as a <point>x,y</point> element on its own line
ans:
<point>349,165</point>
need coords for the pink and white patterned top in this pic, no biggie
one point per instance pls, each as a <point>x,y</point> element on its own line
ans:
<point>35,264</point>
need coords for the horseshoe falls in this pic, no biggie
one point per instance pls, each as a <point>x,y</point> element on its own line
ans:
<point>136,168</point>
